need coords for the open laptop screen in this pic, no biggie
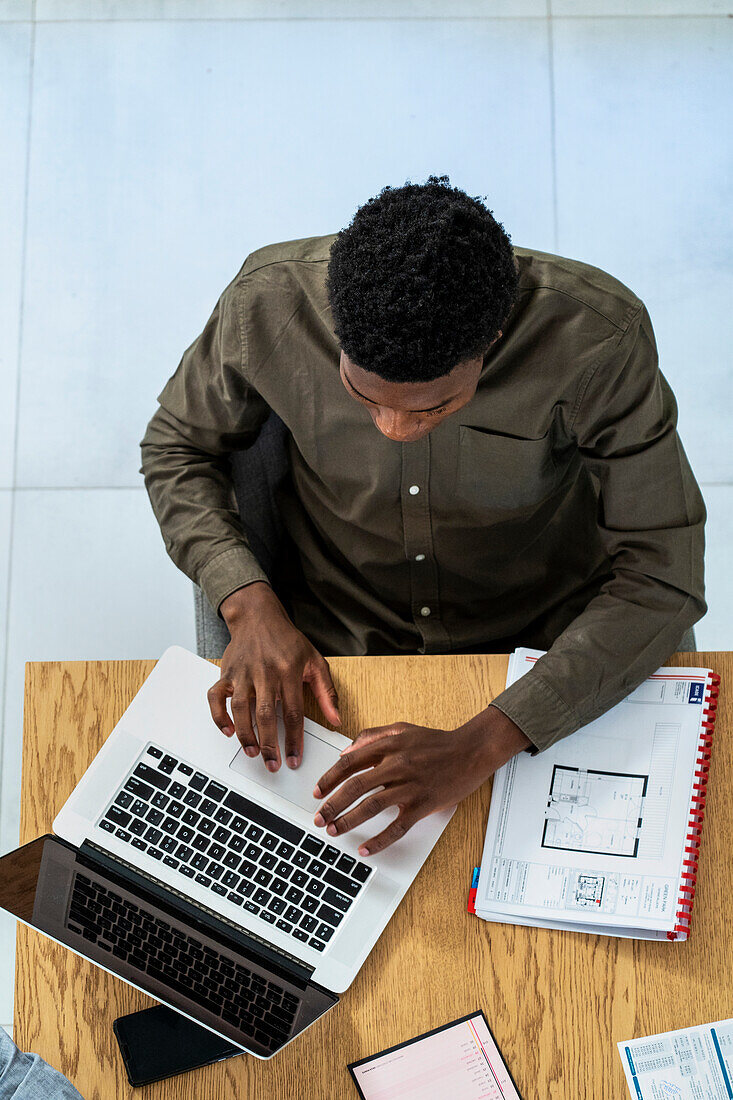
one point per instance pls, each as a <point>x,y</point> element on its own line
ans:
<point>194,963</point>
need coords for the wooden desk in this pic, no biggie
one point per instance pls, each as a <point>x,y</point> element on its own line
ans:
<point>557,1002</point>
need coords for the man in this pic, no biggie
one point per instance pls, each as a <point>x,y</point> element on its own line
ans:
<point>483,454</point>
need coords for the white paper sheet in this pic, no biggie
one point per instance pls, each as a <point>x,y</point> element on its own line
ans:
<point>694,1063</point>
<point>591,832</point>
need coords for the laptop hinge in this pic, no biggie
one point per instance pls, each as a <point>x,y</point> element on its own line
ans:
<point>296,970</point>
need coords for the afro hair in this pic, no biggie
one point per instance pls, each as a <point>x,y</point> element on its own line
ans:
<point>420,280</point>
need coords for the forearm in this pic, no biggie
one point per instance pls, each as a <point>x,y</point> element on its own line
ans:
<point>192,497</point>
<point>623,636</point>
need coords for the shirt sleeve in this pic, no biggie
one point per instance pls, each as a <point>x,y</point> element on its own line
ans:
<point>651,518</point>
<point>207,410</point>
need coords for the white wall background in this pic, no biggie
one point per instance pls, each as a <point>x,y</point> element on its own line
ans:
<point>147,150</point>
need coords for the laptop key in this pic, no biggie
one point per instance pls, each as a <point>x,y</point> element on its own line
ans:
<point>254,832</point>
<point>155,752</point>
<point>169,825</point>
<point>269,917</point>
<point>339,901</point>
<point>316,887</point>
<point>312,845</point>
<point>137,843</point>
<point>197,781</point>
<point>253,852</point>
<point>237,843</point>
<point>139,808</point>
<point>215,870</point>
<point>176,809</point>
<point>208,807</point>
<point>170,862</point>
<point>308,923</point>
<point>124,798</point>
<point>294,895</point>
<point>222,835</point>
<point>251,907</point>
<point>285,850</point>
<point>270,842</point>
<point>223,816</point>
<point>239,824</point>
<point>298,878</point>
<point>261,897</point>
<point>185,834</point>
<point>183,852</point>
<point>200,843</point>
<point>231,880</point>
<point>310,904</point>
<point>160,800</point>
<point>283,869</point>
<point>330,916</point>
<point>236,898</point>
<point>284,926</point>
<point>277,905</point>
<point>215,790</point>
<point>278,886</point>
<point>292,914</point>
<point>361,872</point>
<point>346,885</point>
<point>155,853</point>
<point>330,854</point>
<point>186,769</point>
<point>316,867</point>
<point>168,764</point>
<point>345,863</point>
<point>188,872</point>
<point>199,861</point>
<point>169,844</point>
<point>263,878</point>
<point>191,798</point>
<point>268,860</point>
<point>152,776</point>
<point>136,786</point>
<point>154,816</point>
<point>324,932</point>
<point>216,851</point>
<point>119,816</point>
<point>300,935</point>
<point>176,790</point>
<point>203,880</point>
<point>108,826</point>
<point>206,826</point>
<point>190,818</point>
<point>247,869</point>
<point>317,945</point>
<point>301,859</point>
<point>123,835</point>
<point>153,836</point>
<point>219,889</point>
<point>137,826</point>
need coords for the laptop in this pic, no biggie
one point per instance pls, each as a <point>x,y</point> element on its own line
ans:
<point>188,870</point>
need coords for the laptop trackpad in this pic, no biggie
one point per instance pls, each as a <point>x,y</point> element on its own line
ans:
<point>296,785</point>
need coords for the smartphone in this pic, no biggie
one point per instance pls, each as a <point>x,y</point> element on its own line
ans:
<point>157,1043</point>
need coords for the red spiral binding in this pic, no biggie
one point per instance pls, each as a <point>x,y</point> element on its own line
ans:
<point>683,916</point>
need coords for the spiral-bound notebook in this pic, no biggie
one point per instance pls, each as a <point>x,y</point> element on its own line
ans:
<point>601,832</point>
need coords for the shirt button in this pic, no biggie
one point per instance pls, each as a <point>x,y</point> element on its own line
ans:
<point>424,610</point>
<point>419,557</point>
<point>414,489</point>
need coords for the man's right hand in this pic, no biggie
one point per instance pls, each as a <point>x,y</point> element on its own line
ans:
<point>268,659</point>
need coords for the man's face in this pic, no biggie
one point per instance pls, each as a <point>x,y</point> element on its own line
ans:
<point>406,411</point>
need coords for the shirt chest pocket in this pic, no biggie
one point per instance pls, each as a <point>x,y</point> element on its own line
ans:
<point>503,473</point>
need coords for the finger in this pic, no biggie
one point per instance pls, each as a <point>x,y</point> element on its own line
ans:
<point>242,714</point>
<point>355,788</point>
<point>368,808</point>
<point>292,706</point>
<point>388,836</point>
<point>217,696</point>
<point>347,765</point>
<point>266,717</point>
<point>322,686</point>
<point>373,733</point>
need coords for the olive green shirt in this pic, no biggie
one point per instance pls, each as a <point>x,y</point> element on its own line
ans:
<point>555,509</point>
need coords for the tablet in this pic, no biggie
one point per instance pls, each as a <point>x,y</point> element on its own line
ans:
<point>460,1060</point>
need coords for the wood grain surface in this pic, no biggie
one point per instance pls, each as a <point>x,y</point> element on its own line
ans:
<point>557,1002</point>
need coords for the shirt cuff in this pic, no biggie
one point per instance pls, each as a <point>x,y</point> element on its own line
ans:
<point>229,571</point>
<point>538,710</point>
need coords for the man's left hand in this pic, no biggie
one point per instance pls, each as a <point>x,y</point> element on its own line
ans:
<point>416,768</point>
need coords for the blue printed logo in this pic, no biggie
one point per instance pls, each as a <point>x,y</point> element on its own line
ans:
<point>696,693</point>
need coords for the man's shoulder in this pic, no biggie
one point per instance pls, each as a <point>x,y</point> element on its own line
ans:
<point>561,283</point>
<point>304,250</point>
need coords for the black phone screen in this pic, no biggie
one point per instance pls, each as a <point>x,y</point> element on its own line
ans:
<point>158,1043</point>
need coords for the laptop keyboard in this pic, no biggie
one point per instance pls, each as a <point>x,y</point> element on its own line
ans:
<point>230,990</point>
<point>235,848</point>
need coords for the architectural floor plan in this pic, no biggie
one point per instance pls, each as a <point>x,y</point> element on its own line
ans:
<point>594,811</point>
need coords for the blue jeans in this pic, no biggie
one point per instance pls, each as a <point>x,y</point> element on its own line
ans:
<point>28,1077</point>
